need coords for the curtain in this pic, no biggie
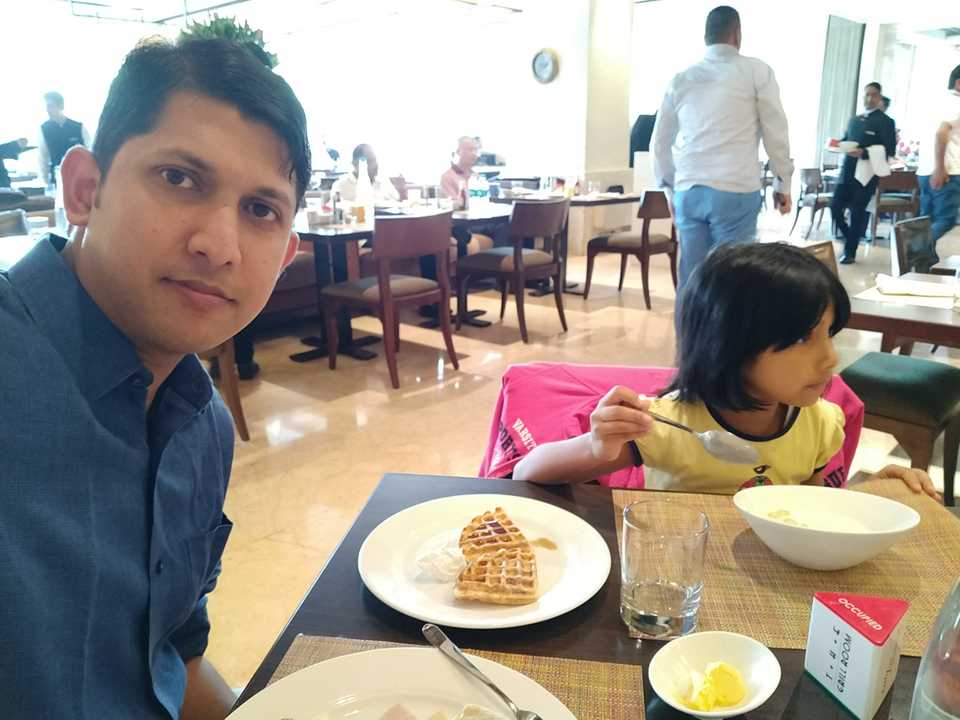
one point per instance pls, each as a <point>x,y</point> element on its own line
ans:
<point>838,84</point>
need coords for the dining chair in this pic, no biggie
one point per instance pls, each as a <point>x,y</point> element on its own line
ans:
<point>13,222</point>
<point>914,248</point>
<point>514,265</point>
<point>813,196</point>
<point>397,239</point>
<point>914,400</point>
<point>899,194</point>
<point>229,383</point>
<point>825,253</point>
<point>552,401</point>
<point>643,245</point>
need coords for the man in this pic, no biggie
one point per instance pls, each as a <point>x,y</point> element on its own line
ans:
<point>884,103</point>
<point>453,182</point>
<point>10,151</point>
<point>939,170</point>
<point>720,107</point>
<point>57,135</point>
<point>116,451</point>
<point>873,127</point>
<point>383,189</point>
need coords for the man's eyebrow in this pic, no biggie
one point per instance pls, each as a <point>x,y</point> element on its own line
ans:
<point>274,194</point>
<point>189,158</point>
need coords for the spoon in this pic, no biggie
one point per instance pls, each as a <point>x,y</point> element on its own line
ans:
<point>436,637</point>
<point>721,444</point>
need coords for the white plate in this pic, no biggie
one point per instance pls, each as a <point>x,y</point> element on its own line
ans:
<point>568,576</point>
<point>362,686</point>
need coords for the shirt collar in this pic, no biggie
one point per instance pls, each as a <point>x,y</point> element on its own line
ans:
<point>719,51</point>
<point>458,171</point>
<point>98,354</point>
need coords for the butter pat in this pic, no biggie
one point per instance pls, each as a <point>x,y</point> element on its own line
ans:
<point>853,648</point>
<point>721,686</point>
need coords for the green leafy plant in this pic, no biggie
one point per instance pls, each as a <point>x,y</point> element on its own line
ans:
<point>229,29</point>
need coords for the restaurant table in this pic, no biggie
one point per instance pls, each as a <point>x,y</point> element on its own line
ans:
<point>599,200</point>
<point>950,266</point>
<point>339,605</point>
<point>898,321</point>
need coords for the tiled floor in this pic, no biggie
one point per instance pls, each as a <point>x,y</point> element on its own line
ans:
<point>321,439</point>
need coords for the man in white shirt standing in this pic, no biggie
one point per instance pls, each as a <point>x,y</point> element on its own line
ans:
<point>57,135</point>
<point>939,170</point>
<point>705,144</point>
<point>383,189</point>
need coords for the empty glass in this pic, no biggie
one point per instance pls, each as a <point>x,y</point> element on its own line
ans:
<point>936,695</point>
<point>662,551</point>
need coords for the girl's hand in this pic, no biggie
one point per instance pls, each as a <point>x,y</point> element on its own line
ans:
<point>620,417</point>
<point>917,480</point>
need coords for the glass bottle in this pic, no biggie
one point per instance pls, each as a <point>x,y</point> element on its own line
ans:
<point>936,695</point>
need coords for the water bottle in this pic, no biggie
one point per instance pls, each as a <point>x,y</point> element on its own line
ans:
<point>936,696</point>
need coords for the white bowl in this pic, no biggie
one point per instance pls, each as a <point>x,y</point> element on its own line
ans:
<point>669,671</point>
<point>837,528</point>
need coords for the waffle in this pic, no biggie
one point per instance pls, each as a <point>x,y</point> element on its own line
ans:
<point>490,532</point>
<point>503,577</point>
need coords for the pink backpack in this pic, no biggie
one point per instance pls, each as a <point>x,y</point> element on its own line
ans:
<point>544,402</point>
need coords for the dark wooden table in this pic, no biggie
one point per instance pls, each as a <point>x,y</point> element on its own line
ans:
<point>898,322</point>
<point>339,605</point>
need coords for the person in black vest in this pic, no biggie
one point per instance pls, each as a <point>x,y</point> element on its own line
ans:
<point>58,134</point>
<point>873,127</point>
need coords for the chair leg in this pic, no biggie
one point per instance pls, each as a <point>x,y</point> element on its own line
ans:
<point>645,277</point>
<point>813,216</point>
<point>504,287</point>
<point>396,329</point>
<point>591,256</point>
<point>330,311</point>
<point>673,268</point>
<point>230,388</point>
<point>951,443</point>
<point>446,328</point>
<point>388,322</point>
<point>796,218</point>
<point>519,289</point>
<point>463,282</point>
<point>820,218</point>
<point>918,444</point>
<point>558,298</point>
<point>623,271</point>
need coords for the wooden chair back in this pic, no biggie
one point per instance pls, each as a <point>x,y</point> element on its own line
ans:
<point>811,181</point>
<point>903,182</point>
<point>412,236</point>
<point>654,206</point>
<point>538,218</point>
<point>914,247</point>
<point>824,252</point>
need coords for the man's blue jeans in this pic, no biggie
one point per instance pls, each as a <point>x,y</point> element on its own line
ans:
<point>707,218</point>
<point>940,205</point>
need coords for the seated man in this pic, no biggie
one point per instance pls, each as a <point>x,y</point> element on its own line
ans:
<point>116,450</point>
<point>383,189</point>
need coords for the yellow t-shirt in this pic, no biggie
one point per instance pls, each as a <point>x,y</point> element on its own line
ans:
<point>675,460</point>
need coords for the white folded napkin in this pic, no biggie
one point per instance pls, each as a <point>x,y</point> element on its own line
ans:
<point>874,164</point>
<point>889,285</point>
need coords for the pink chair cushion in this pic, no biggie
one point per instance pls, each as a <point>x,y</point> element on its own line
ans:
<point>544,402</point>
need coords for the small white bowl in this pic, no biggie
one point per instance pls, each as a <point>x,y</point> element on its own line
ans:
<point>669,671</point>
<point>836,528</point>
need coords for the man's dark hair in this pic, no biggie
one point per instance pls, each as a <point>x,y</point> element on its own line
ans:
<point>744,299</point>
<point>722,22</point>
<point>360,151</point>
<point>221,69</point>
<point>54,97</point>
<point>954,76</point>
<point>876,85</point>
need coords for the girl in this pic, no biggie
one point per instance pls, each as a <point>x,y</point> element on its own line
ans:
<point>755,353</point>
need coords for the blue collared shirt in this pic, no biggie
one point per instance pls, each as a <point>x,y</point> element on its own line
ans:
<point>111,518</point>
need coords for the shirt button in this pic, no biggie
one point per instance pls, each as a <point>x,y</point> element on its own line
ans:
<point>159,567</point>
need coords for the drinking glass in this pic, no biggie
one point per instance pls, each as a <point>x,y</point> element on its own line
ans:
<point>662,550</point>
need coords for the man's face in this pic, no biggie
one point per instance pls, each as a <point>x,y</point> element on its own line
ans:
<point>54,111</point>
<point>871,97</point>
<point>468,152</point>
<point>190,229</point>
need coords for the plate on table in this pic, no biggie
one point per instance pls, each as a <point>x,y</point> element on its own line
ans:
<point>569,574</point>
<point>367,684</point>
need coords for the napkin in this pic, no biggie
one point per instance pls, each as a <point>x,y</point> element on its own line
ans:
<point>897,286</point>
<point>874,164</point>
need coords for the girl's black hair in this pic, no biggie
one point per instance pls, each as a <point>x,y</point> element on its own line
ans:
<point>744,299</point>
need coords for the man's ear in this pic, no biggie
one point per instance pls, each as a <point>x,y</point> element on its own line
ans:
<point>293,244</point>
<point>80,176</point>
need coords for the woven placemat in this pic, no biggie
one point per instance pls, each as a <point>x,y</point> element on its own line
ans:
<point>748,589</point>
<point>591,690</point>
